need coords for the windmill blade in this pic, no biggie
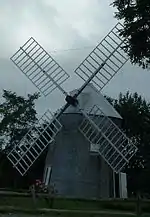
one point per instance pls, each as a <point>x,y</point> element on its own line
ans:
<point>108,51</point>
<point>24,154</point>
<point>41,69</point>
<point>114,146</point>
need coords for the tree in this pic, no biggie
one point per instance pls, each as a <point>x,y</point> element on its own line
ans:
<point>136,123</point>
<point>17,115</point>
<point>136,17</point>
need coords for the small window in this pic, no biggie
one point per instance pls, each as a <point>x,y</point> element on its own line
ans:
<point>94,148</point>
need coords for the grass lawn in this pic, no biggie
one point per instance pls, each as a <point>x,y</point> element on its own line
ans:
<point>69,215</point>
<point>68,207</point>
<point>64,213</point>
<point>71,204</point>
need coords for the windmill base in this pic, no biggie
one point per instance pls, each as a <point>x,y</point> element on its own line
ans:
<point>73,168</point>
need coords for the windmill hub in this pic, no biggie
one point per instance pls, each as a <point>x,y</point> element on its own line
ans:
<point>71,100</point>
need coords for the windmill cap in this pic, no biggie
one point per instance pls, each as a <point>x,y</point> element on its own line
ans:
<point>90,97</point>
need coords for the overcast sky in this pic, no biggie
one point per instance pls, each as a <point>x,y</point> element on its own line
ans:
<point>60,25</point>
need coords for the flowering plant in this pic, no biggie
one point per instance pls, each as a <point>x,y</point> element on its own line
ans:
<point>40,187</point>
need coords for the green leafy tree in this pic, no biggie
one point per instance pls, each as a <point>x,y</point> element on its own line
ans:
<point>136,123</point>
<point>136,17</point>
<point>17,115</point>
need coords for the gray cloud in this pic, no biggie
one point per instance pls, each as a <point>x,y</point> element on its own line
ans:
<point>57,25</point>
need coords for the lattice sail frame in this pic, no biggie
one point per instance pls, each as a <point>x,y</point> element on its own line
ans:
<point>109,51</point>
<point>24,154</point>
<point>114,146</point>
<point>39,67</point>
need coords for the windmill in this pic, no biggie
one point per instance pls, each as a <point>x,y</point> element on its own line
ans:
<point>46,74</point>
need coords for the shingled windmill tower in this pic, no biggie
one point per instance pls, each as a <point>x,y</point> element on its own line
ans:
<point>87,122</point>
